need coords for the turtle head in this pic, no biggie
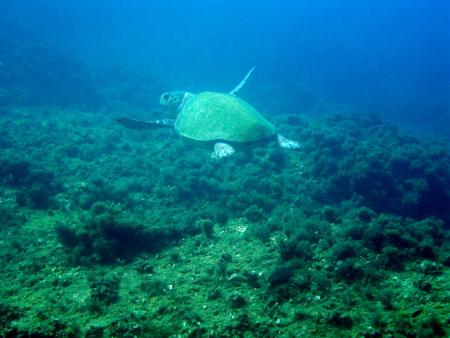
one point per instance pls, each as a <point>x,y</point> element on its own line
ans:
<point>173,99</point>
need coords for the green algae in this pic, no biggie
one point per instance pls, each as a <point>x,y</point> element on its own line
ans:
<point>144,235</point>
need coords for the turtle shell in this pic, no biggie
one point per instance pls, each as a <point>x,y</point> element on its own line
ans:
<point>210,116</point>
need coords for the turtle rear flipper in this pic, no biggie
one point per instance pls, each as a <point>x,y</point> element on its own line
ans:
<point>286,143</point>
<point>144,125</point>
<point>222,150</point>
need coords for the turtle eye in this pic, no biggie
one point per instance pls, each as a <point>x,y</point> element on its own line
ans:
<point>166,96</point>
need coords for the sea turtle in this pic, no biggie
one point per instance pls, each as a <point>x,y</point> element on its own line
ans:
<point>222,118</point>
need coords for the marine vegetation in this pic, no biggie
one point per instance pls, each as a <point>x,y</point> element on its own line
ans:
<point>108,232</point>
<point>27,64</point>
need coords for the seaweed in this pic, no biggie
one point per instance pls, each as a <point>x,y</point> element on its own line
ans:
<point>346,235</point>
<point>104,291</point>
<point>280,276</point>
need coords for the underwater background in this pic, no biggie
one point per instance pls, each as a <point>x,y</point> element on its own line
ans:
<point>111,232</point>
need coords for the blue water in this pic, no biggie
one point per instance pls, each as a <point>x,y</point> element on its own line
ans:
<point>386,57</point>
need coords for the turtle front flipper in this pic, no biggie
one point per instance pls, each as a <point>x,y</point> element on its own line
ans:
<point>242,83</point>
<point>144,125</point>
<point>286,143</point>
<point>222,150</point>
